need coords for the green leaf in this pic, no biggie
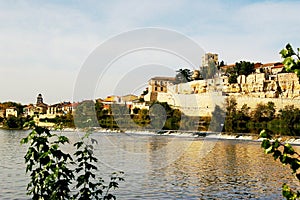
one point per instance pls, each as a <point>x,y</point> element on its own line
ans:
<point>297,71</point>
<point>269,150</point>
<point>264,134</point>
<point>284,53</point>
<point>289,63</point>
<point>265,144</point>
<point>288,193</point>
<point>290,49</point>
<point>276,144</point>
<point>288,149</point>
<point>276,154</point>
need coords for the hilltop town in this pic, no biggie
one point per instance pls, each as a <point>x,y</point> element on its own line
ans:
<point>266,82</point>
<point>194,94</point>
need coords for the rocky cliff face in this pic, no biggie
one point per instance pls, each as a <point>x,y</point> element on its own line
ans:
<point>259,85</point>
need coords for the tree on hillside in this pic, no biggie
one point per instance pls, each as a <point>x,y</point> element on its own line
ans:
<point>221,64</point>
<point>183,75</point>
<point>291,60</point>
<point>240,68</point>
<point>244,68</point>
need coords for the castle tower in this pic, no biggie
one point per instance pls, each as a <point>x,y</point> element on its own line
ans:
<point>209,57</point>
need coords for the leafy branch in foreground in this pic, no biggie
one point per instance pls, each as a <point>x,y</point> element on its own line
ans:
<point>291,59</point>
<point>50,172</point>
<point>87,184</point>
<point>48,165</point>
<point>287,156</point>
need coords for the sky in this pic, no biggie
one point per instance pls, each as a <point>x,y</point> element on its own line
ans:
<point>45,44</point>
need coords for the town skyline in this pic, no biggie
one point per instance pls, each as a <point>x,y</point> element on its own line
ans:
<point>44,45</point>
<point>109,95</point>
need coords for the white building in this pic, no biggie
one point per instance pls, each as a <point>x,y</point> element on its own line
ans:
<point>12,111</point>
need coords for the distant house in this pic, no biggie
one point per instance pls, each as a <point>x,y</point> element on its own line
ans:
<point>12,111</point>
<point>28,110</point>
<point>277,68</point>
<point>158,85</point>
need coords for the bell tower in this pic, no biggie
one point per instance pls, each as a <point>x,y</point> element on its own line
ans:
<point>39,99</point>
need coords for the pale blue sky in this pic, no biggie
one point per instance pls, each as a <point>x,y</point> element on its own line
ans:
<point>43,44</point>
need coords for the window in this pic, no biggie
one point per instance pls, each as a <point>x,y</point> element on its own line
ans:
<point>155,89</point>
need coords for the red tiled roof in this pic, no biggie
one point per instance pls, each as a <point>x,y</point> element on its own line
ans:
<point>268,64</point>
<point>278,66</point>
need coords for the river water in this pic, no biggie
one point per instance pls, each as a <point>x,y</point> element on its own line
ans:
<point>164,167</point>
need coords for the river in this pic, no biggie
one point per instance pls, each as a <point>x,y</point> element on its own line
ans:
<point>164,167</point>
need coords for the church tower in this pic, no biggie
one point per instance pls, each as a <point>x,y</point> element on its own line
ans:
<point>39,99</point>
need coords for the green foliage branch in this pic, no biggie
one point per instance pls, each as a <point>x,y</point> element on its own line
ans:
<point>291,59</point>
<point>51,174</point>
<point>48,165</point>
<point>88,186</point>
<point>286,154</point>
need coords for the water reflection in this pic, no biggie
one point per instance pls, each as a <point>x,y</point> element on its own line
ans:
<point>232,169</point>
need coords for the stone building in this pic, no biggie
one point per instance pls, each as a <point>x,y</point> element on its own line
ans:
<point>207,58</point>
<point>158,85</point>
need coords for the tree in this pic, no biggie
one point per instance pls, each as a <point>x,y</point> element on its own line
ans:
<point>221,64</point>
<point>232,75</point>
<point>85,115</point>
<point>99,109</point>
<point>135,110</point>
<point>183,75</point>
<point>291,60</point>
<point>244,68</point>
<point>289,115</point>
<point>210,70</point>
<point>218,116</point>
<point>232,78</point>
<point>240,68</point>
<point>13,122</point>
<point>231,111</point>
<point>264,112</point>
<point>244,113</point>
